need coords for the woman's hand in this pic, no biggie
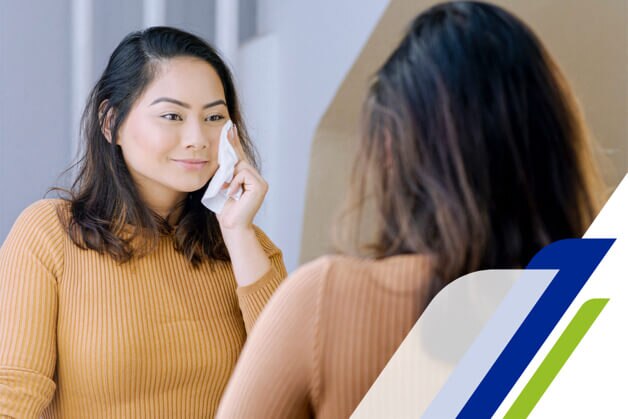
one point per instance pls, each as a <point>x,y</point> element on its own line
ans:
<point>248,259</point>
<point>239,214</point>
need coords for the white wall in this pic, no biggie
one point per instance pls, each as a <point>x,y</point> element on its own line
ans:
<point>34,102</point>
<point>316,43</point>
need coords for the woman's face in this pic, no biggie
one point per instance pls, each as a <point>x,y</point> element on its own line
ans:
<point>170,137</point>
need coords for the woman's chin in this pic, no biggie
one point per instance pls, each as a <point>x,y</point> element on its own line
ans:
<point>191,186</point>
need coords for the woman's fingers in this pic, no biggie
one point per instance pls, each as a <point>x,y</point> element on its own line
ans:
<point>248,179</point>
<point>234,139</point>
<point>241,213</point>
<point>245,165</point>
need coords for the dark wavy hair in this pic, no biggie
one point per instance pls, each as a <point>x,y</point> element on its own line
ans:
<point>106,212</point>
<point>473,151</point>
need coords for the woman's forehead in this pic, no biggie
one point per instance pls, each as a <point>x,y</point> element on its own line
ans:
<point>186,79</point>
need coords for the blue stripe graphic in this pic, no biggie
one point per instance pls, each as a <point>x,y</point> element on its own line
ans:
<point>576,259</point>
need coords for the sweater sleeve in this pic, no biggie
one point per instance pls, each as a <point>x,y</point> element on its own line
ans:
<point>277,373</point>
<point>253,297</point>
<point>31,261</point>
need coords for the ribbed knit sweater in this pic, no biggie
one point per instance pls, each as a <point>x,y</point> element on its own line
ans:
<point>325,336</point>
<point>82,336</point>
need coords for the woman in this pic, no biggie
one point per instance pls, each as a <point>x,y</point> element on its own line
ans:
<point>473,156</point>
<point>128,298</point>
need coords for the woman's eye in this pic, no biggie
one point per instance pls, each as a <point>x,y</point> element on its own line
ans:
<point>214,118</point>
<point>172,117</point>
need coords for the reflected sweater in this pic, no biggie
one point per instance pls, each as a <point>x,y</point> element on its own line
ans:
<point>325,336</point>
<point>83,336</point>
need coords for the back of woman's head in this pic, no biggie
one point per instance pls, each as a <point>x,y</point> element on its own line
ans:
<point>104,199</point>
<point>473,145</point>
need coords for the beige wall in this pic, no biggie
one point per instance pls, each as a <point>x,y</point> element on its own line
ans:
<point>588,39</point>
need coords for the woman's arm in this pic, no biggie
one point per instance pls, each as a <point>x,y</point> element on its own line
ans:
<point>248,258</point>
<point>257,263</point>
<point>30,262</point>
<point>253,297</point>
<point>277,372</point>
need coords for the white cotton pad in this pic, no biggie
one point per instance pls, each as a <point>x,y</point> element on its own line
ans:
<point>215,196</point>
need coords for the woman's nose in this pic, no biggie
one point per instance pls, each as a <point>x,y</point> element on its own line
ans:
<point>195,137</point>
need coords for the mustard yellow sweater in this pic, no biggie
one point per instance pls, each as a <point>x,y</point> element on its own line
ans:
<point>82,336</point>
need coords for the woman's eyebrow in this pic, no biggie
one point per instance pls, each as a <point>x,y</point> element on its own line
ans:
<point>214,103</point>
<point>185,105</point>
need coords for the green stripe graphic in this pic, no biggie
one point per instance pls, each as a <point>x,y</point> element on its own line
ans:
<point>556,358</point>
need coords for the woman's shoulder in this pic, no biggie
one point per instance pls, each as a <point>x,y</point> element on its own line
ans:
<point>37,235</point>
<point>303,284</point>
<point>44,215</point>
<point>401,272</point>
<point>321,286</point>
<point>347,263</point>
<point>331,267</point>
<point>48,205</point>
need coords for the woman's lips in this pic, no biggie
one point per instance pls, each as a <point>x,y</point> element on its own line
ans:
<point>191,164</point>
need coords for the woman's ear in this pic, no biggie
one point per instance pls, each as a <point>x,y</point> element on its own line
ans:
<point>105,118</point>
